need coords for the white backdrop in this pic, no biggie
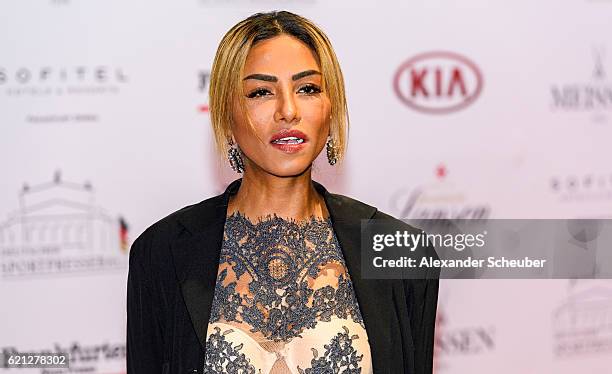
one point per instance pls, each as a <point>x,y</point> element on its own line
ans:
<point>100,101</point>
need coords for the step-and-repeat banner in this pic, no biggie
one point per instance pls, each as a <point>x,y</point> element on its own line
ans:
<point>472,109</point>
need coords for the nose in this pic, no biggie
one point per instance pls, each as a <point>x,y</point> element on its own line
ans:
<point>287,108</point>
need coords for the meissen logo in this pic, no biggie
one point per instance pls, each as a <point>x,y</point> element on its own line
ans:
<point>594,96</point>
<point>438,82</point>
<point>452,339</point>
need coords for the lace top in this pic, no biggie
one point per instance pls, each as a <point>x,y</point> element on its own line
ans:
<point>284,302</point>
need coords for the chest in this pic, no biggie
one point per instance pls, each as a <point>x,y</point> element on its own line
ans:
<point>284,301</point>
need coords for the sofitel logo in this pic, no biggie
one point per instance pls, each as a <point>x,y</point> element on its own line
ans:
<point>45,81</point>
<point>587,186</point>
<point>438,82</point>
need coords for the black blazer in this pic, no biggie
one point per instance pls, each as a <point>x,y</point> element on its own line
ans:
<point>172,274</point>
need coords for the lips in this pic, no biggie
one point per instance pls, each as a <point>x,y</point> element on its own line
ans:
<point>289,141</point>
<point>289,137</point>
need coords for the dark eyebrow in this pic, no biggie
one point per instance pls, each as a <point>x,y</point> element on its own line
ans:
<point>304,74</point>
<point>262,77</point>
<point>272,78</point>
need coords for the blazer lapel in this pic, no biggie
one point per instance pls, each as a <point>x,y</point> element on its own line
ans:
<point>196,258</point>
<point>373,295</point>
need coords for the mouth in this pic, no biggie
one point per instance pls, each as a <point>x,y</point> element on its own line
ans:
<point>289,141</point>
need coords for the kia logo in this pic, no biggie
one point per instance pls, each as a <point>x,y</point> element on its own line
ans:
<point>438,82</point>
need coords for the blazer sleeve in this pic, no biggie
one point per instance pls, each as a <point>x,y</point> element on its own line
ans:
<point>422,297</point>
<point>144,344</point>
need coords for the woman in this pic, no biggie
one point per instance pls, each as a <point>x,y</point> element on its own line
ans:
<point>265,278</point>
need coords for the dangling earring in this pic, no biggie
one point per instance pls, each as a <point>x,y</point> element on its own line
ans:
<point>234,157</point>
<point>332,152</point>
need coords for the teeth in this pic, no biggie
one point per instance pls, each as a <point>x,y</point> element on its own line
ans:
<point>289,140</point>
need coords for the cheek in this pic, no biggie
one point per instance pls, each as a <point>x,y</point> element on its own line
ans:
<point>259,119</point>
<point>261,114</point>
<point>320,118</point>
<point>317,113</point>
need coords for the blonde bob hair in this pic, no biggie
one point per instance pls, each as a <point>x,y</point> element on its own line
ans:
<point>228,68</point>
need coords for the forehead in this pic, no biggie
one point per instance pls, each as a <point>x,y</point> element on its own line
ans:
<point>282,53</point>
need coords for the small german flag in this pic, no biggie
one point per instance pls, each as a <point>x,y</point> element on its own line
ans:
<point>123,234</point>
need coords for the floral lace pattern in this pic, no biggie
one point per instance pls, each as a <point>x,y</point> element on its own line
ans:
<point>277,280</point>
<point>222,357</point>
<point>281,261</point>
<point>339,357</point>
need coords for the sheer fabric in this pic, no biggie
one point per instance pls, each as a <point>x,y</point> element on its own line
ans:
<point>284,301</point>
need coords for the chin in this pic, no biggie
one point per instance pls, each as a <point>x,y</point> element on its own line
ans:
<point>290,169</point>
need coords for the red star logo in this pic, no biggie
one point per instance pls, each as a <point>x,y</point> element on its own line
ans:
<point>441,171</point>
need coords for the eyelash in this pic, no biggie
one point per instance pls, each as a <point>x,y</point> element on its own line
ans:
<point>254,94</point>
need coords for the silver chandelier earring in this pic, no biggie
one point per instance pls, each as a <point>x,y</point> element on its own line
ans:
<point>234,157</point>
<point>332,152</point>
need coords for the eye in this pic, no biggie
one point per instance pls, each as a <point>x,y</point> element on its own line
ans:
<point>311,89</point>
<point>258,93</point>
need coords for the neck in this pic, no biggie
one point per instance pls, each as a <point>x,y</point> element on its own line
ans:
<point>262,194</point>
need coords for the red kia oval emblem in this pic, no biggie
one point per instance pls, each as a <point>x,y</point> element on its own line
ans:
<point>438,82</point>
